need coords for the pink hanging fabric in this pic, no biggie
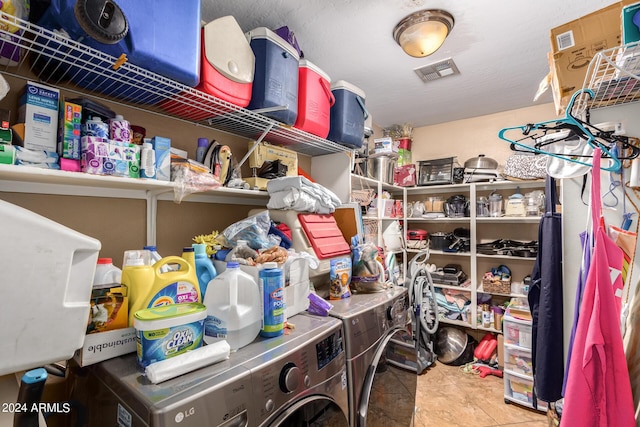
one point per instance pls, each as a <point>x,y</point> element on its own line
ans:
<point>598,391</point>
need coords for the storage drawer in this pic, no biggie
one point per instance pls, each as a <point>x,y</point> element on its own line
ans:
<point>517,332</point>
<point>518,360</point>
<point>520,390</point>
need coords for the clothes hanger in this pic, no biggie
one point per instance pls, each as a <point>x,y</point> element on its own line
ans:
<point>569,121</point>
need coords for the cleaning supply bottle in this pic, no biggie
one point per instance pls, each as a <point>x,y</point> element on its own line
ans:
<point>234,310</point>
<point>203,144</point>
<point>119,129</point>
<point>149,287</point>
<point>155,257</point>
<point>272,286</point>
<point>205,271</point>
<point>147,161</point>
<point>106,273</point>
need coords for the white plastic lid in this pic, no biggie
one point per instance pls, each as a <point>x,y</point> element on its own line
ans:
<point>310,65</point>
<point>265,33</point>
<point>270,264</point>
<point>118,117</point>
<point>227,49</point>
<point>342,84</point>
<point>95,119</point>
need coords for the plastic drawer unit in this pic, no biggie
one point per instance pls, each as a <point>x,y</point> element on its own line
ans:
<point>517,332</point>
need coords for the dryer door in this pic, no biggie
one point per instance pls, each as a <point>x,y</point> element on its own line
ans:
<point>314,411</point>
<point>386,381</point>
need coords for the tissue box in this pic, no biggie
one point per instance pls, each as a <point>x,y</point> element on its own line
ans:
<point>38,111</point>
<point>105,157</point>
<point>162,147</point>
<point>385,145</point>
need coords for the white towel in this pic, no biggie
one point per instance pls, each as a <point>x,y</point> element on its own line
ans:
<point>187,362</point>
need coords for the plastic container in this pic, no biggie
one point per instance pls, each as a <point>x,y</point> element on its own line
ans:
<point>234,310</point>
<point>275,80</point>
<point>517,332</point>
<point>119,129</point>
<point>161,38</point>
<point>518,361</point>
<point>168,331</point>
<point>201,150</point>
<point>106,273</point>
<point>147,161</point>
<point>315,99</point>
<point>205,271</point>
<point>49,268</point>
<point>272,287</point>
<point>149,286</point>
<point>347,115</point>
<point>95,127</point>
<point>519,389</point>
<point>155,257</point>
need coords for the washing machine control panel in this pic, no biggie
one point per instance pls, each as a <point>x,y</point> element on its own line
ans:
<point>329,348</point>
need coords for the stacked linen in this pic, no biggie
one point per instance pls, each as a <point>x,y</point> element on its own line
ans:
<point>300,194</point>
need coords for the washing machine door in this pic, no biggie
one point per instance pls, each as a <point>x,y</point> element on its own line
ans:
<point>313,411</point>
<point>391,377</point>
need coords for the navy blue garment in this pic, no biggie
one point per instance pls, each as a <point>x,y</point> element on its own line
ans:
<point>545,302</point>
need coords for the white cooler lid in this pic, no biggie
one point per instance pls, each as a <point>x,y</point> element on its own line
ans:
<point>227,49</point>
<point>342,84</point>
<point>265,33</point>
<point>310,65</point>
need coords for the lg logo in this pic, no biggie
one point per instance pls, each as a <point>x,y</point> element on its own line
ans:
<point>180,416</point>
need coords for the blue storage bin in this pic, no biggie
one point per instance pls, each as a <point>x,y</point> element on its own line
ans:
<point>162,38</point>
<point>275,80</point>
<point>347,115</point>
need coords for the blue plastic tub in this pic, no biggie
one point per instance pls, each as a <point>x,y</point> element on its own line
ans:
<point>275,80</point>
<point>162,38</point>
<point>347,115</point>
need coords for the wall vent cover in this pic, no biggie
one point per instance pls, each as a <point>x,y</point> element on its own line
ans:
<point>437,70</point>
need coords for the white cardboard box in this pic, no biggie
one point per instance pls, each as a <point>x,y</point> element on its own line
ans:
<point>106,345</point>
<point>38,111</point>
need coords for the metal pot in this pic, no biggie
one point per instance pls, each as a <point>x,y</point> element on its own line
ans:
<point>454,346</point>
<point>381,167</point>
<point>481,162</point>
<point>440,241</point>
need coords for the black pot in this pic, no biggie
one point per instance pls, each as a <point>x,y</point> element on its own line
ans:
<point>440,241</point>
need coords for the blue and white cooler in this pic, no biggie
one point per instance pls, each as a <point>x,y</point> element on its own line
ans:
<point>347,115</point>
<point>275,80</point>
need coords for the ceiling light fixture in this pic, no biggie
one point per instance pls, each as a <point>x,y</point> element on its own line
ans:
<point>423,32</point>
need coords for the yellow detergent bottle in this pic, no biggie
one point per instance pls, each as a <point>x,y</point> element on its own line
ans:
<point>149,286</point>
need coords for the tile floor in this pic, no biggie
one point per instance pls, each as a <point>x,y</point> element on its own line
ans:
<point>446,396</point>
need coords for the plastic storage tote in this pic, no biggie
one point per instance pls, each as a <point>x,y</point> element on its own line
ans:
<point>161,38</point>
<point>47,273</point>
<point>517,332</point>
<point>275,80</point>
<point>347,115</point>
<point>518,360</point>
<point>227,67</point>
<point>520,390</point>
<point>315,99</point>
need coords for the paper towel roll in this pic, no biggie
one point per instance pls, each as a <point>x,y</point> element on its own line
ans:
<point>634,180</point>
<point>187,362</point>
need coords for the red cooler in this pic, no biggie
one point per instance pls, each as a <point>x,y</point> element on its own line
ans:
<point>226,71</point>
<point>314,99</point>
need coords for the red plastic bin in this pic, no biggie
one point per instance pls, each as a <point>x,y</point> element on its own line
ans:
<point>314,99</point>
<point>226,73</point>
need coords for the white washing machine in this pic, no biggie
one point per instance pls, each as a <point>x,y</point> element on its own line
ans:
<point>297,379</point>
<point>376,326</point>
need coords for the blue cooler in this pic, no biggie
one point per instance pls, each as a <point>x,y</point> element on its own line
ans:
<point>347,115</point>
<point>162,37</point>
<point>275,80</point>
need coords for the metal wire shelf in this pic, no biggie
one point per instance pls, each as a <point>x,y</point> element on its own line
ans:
<point>613,76</point>
<point>58,61</point>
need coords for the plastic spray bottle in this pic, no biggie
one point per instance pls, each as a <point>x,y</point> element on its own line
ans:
<point>205,271</point>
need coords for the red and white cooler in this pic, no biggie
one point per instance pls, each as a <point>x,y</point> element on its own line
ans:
<point>314,99</point>
<point>227,68</point>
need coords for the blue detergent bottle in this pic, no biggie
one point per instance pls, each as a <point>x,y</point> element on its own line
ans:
<point>204,267</point>
<point>272,284</point>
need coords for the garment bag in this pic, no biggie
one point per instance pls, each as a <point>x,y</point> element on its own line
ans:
<point>598,391</point>
<point>545,302</point>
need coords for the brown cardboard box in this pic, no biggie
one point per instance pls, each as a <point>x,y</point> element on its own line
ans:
<point>500,351</point>
<point>574,44</point>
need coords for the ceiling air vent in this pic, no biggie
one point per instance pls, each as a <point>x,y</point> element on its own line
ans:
<point>437,70</point>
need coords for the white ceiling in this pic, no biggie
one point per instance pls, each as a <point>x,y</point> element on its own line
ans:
<point>499,46</point>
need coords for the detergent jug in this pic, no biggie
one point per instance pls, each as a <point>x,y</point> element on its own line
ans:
<point>234,310</point>
<point>205,271</point>
<point>150,286</point>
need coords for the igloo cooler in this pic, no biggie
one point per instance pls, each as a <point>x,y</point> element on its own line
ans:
<point>275,81</point>
<point>315,99</point>
<point>161,38</point>
<point>227,67</point>
<point>347,115</point>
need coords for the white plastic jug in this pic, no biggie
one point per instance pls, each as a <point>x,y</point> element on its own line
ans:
<point>234,308</point>
<point>106,273</point>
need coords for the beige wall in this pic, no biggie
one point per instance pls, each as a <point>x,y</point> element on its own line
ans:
<point>479,135</point>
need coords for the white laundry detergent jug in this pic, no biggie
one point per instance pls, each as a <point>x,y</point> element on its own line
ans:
<point>234,308</point>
